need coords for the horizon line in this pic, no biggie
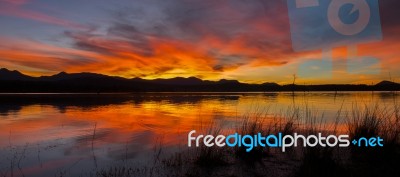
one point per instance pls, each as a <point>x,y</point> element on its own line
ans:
<point>223,79</point>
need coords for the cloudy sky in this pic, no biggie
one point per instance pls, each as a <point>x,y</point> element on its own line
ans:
<point>247,40</point>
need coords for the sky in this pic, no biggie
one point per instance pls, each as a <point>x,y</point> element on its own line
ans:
<point>246,40</point>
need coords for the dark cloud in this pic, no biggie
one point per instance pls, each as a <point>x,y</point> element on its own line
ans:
<point>84,41</point>
<point>258,26</point>
<point>389,12</point>
<point>233,33</point>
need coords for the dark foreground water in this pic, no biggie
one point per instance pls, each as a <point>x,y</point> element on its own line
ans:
<point>77,134</point>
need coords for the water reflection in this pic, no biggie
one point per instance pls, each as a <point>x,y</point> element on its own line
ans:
<point>52,133</point>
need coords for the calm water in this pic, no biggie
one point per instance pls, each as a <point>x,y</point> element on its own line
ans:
<point>70,134</point>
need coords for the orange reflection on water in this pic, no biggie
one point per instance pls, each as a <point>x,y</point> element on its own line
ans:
<point>95,132</point>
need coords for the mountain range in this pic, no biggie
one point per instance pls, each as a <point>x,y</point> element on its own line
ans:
<point>16,82</point>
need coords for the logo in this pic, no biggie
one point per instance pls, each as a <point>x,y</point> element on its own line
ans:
<point>326,24</point>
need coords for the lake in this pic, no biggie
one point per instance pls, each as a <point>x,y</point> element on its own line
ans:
<point>75,134</point>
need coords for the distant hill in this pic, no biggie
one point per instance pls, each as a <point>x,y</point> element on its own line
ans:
<point>6,74</point>
<point>65,76</point>
<point>387,85</point>
<point>14,81</point>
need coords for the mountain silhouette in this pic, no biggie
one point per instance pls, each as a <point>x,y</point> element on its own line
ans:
<point>6,74</point>
<point>387,85</point>
<point>65,76</point>
<point>16,82</point>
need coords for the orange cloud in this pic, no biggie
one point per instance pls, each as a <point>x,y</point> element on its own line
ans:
<point>207,39</point>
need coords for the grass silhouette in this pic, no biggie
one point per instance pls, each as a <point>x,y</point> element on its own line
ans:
<point>365,121</point>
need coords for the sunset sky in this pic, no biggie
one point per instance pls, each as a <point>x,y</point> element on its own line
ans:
<point>245,40</point>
